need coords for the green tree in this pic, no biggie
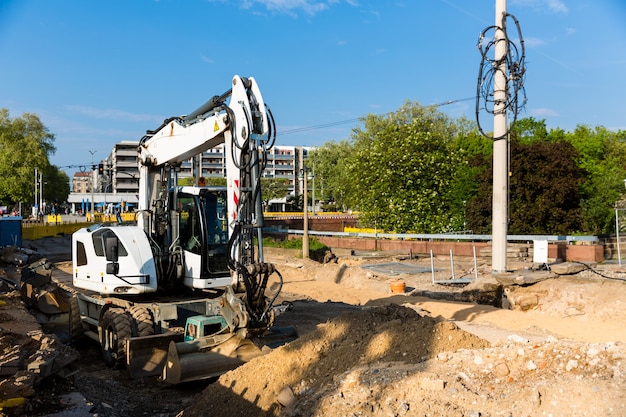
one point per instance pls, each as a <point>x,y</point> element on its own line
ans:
<point>57,185</point>
<point>187,181</point>
<point>331,181</point>
<point>529,130</point>
<point>295,203</point>
<point>25,144</point>
<point>209,181</point>
<point>417,170</point>
<point>401,170</point>
<point>274,188</point>
<point>544,190</point>
<point>602,154</point>
<point>475,152</point>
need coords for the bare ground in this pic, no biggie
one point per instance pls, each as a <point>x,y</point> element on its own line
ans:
<point>558,349</point>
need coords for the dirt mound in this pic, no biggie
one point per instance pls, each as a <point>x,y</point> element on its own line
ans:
<point>370,338</point>
<point>517,378</point>
<point>393,361</point>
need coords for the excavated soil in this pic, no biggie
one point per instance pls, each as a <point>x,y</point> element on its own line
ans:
<point>356,348</point>
<point>556,350</point>
<point>406,355</point>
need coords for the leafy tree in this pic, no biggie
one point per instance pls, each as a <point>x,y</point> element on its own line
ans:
<point>295,203</point>
<point>416,170</point>
<point>544,190</point>
<point>186,181</point>
<point>25,143</point>
<point>331,181</point>
<point>475,151</point>
<point>216,181</point>
<point>209,181</point>
<point>602,154</point>
<point>529,130</point>
<point>274,188</point>
<point>401,169</point>
<point>57,185</point>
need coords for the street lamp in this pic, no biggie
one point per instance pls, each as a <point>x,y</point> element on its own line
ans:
<point>93,184</point>
<point>35,205</point>
<point>41,191</point>
<point>312,176</point>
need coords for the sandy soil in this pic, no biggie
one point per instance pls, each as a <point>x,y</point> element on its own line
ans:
<point>404,355</point>
<point>557,350</point>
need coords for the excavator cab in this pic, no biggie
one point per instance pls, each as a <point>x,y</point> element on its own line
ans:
<point>203,236</point>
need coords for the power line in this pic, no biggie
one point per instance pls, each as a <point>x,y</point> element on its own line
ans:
<point>343,122</point>
<point>322,126</point>
<point>85,167</point>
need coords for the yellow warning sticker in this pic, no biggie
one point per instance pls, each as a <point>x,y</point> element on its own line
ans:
<point>216,127</point>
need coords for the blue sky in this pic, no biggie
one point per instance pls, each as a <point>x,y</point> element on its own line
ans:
<point>99,72</point>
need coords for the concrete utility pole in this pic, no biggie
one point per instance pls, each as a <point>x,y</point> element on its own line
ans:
<point>500,147</point>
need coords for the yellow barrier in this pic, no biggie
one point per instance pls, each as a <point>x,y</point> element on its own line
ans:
<point>270,214</point>
<point>36,230</point>
<point>111,218</point>
<point>42,230</point>
<point>55,218</point>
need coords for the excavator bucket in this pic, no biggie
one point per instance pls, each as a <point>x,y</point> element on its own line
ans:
<point>214,355</point>
<point>146,356</point>
<point>177,361</point>
<point>189,361</point>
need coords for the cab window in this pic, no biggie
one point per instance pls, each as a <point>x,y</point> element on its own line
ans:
<point>99,238</point>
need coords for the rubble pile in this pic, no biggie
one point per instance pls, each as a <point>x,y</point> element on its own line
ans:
<point>28,356</point>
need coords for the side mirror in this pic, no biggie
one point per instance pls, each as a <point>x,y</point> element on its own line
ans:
<point>111,249</point>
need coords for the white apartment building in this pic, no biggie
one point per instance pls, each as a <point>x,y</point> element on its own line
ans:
<point>116,178</point>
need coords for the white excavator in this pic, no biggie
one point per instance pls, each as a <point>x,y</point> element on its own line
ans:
<point>182,292</point>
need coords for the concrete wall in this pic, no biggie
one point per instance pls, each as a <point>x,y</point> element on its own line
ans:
<point>564,252</point>
<point>580,253</point>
